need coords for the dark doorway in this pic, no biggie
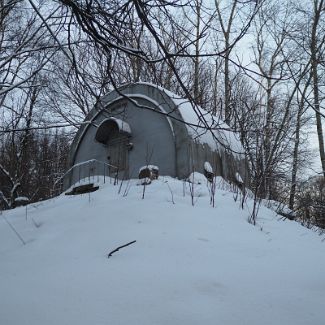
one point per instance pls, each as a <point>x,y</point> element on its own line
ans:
<point>118,153</point>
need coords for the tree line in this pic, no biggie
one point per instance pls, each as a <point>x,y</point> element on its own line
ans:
<point>259,65</point>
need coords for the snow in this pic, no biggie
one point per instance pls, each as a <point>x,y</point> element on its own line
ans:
<point>122,125</point>
<point>189,265</point>
<point>238,178</point>
<point>144,181</point>
<point>220,136</point>
<point>22,199</point>
<point>204,127</point>
<point>278,207</point>
<point>86,162</point>
<point>197,178</point>
<point>150,167</point>
<point>208,167</point>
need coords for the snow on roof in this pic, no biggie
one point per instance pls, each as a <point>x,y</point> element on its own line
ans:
<point>205,128</point>
<point>102,133</point>
<point>122,125</point>
<point>151,167</point>
<point>208,129</point>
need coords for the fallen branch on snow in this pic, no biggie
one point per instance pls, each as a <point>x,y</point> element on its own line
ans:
<point>118,248</point>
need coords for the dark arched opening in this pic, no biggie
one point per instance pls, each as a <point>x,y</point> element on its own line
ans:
<point>115,134</point>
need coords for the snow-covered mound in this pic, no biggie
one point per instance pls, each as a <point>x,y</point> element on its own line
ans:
<point>189,265</point>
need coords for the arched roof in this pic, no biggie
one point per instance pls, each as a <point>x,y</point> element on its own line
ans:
<point>187,122</point>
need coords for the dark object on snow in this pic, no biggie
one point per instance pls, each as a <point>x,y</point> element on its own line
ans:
<point>81,189</point>
<point>118,248</point>
<point>291,215</point>
<point>209,176</point>
<point>150,171</point>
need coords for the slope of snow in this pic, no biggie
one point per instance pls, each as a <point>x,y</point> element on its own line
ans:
<point>189,264</point>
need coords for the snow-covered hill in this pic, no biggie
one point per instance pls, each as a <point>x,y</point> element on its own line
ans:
<point>189,265</point>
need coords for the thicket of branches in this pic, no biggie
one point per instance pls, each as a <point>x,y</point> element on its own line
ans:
<point>259,65</point>
<point>32,166</point>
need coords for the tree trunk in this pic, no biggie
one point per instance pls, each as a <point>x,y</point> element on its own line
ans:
<point>295,154</point>
<point>314,70</point>
<point>196,91</point>
<point>227,84</point>
<point>318,117</point>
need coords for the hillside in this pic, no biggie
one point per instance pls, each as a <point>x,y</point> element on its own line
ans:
<point>189,265</point>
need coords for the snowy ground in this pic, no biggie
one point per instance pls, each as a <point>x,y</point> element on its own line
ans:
<point>189,265</point>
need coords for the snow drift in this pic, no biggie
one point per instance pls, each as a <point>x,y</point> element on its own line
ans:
<point>189,264</point>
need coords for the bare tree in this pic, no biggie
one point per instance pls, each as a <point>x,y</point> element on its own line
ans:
<point>317,48</point>
<point>234,19</point>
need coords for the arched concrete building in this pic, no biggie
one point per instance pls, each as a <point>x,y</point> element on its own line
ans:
<point>143,124</point>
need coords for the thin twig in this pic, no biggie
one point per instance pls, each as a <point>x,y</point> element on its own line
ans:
<point>118,248</point>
